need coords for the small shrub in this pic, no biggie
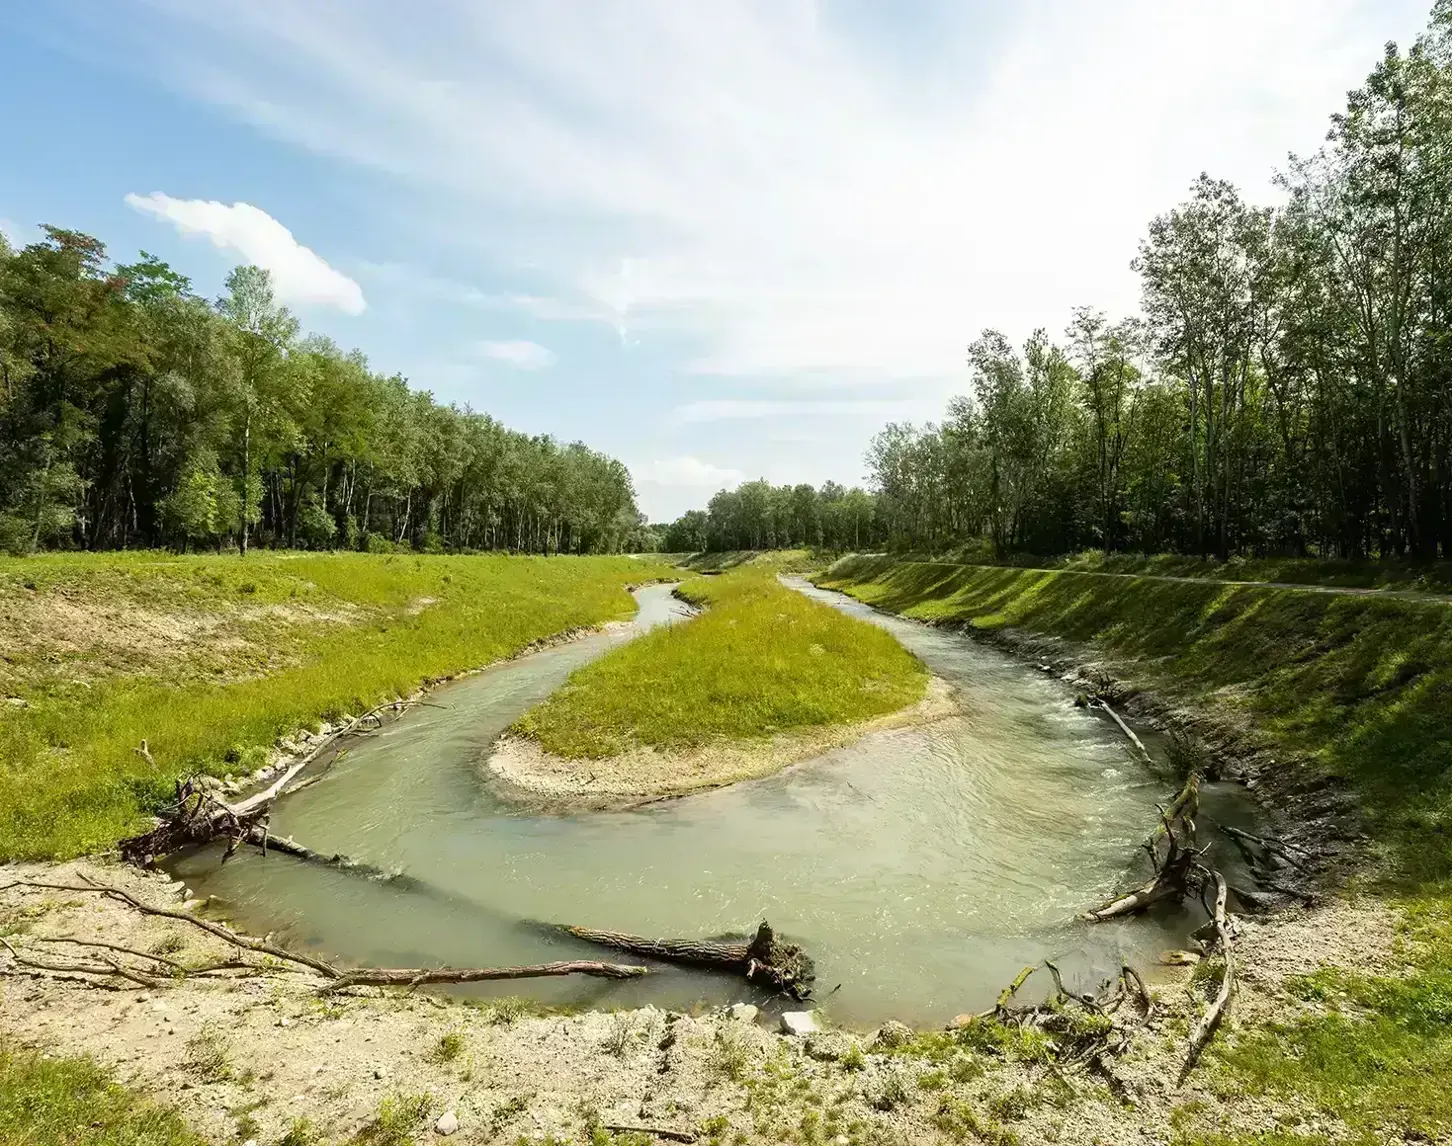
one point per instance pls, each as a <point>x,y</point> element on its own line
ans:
<point>446,1049</point>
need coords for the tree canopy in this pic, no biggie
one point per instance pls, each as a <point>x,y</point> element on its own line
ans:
<point>134,413</point>
<point>1286,390</point>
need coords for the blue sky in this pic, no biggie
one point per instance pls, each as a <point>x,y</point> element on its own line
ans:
<point>719,239</point>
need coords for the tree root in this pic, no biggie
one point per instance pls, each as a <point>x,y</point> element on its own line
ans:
<point>784,967</point>
<point>1179,874</point>
<point>199,816</point>
<point>336,979</point>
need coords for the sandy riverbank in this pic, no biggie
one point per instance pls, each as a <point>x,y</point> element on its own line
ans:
<point>527,771</point>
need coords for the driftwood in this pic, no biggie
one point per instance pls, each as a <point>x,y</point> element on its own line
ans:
<point>336,978</point>
<point>1126,729</point>
<point>765,959</point>
<point>1209,1022</point>
<point>655,1131</point>
<point>199,816</point>
<point>1176,872</point>
<point>1082,1028</point>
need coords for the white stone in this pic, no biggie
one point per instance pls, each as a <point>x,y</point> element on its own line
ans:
<point>284,1022</point>
<point>448,1122</point>
<point>798,1023</point>
<point>743,1012</point>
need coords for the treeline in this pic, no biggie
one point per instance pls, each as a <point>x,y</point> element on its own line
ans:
<point>134,413</point>
<point>1287,389</point>
<point>759,515</point>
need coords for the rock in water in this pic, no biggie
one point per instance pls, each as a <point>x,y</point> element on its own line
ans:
<point>743,1012</point>
<point>798,1023</point>
<point>448,1122</point>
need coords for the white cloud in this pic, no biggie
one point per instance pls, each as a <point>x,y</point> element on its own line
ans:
<point>299,275</point>
<point>522,355</point>
<point>748,409</point>
<point>783,189</point>
<point>689,472</point>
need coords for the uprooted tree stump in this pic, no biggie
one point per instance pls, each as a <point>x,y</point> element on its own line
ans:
<point>764,959</point>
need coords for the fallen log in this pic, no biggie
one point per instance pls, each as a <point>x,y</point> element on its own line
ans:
<point>1127,730</point>
<point>336,979</point>
<point>785,967</point>
<point>416,977</point>
<point>198,816</point>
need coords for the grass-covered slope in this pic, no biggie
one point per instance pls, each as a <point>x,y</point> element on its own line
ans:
<point>210,659</point>
<point>1362,685</point>
<point>760,660</point>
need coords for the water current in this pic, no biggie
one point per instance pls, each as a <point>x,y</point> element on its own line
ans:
<point>921,866</point>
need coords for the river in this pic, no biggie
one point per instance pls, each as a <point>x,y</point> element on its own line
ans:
<point>921,867</point>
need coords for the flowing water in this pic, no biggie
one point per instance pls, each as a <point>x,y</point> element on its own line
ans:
<point>921,867</point>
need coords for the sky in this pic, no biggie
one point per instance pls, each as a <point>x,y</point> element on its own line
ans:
<point>718,239</point>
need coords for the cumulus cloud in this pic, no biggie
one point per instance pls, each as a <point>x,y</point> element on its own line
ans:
<point>522,354</point>
<point>299,275</point>
<point>781,186</point>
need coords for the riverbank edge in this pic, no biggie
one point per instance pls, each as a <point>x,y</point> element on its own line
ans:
<point>522,772</point>
<point>1315,813</point>
<point>248,1054</point>
<point>288,750</point>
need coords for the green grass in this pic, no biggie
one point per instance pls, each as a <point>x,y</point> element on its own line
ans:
<point>761,659</point>
<point>70,1102</point>
<point>1429,576</point>
<point>1358,686</point>
<point>1378,1054</point>
<point>211,659</point>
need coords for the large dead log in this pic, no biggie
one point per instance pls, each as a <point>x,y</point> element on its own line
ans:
<point>1176,872</point>
<point>784,967</point>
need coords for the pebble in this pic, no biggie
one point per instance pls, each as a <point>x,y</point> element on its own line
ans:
<point>250,1142</point>
<point>378,1072</point>
<point>284,1022</point>
<point>798,1023</point>
<point>448,1122</point>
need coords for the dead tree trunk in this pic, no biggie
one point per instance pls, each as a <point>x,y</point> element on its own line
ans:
<point>766,959</point>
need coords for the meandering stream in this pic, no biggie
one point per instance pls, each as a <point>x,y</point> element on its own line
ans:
<point>921,867</point>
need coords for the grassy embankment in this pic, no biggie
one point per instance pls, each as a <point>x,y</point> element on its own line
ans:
<point>211,659</point>
<point>1346,574</point>
<point>1358,686</point>
<point>760,661</point>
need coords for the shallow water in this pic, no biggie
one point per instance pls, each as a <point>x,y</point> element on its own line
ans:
<point>921,867</point>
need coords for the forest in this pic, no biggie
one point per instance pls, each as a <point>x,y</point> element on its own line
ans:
<point>1286,390</point>
<point>134,413</point>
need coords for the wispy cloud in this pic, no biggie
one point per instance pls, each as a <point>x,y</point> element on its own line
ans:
<point>299,275</point>
<point>689,472</point>
<point>772,183</point>
<point>749,409</point>
<point>521,354</point>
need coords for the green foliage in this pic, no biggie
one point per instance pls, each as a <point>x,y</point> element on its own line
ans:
<point>62,1102</point>
<point>277,644</point>
<point>134,413</point>
<point>447,1048</point>
<point>762,659</point>
<point>399,1117</point>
